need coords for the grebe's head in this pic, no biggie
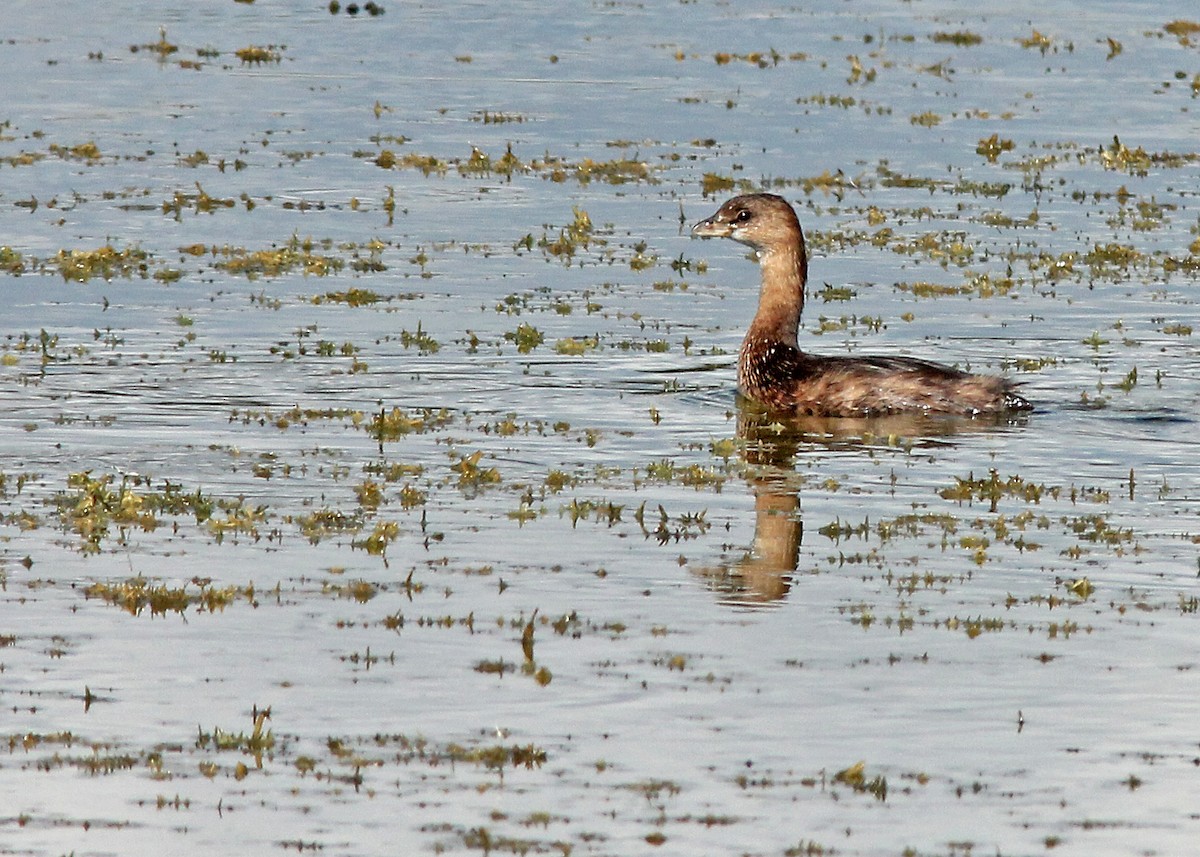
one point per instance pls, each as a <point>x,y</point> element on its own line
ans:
<point>763,221</point>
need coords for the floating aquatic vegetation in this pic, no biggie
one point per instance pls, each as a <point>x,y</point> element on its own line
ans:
<point>712,184</point>
<point>923,289</point>
<point>763,59</point>
<point>1138,162</point>
<point>960,38</point>
<point>257,55</point>
<point>376,543</point>
<point>576,346</point>
<point>162,47</point>
<point>370,494</point>
<point>993,489</point>
<point>891,178</point>
<point>893,558</point>
<point>991,147</point>
<point>196,159</point>
<point>641,260</point>
<point>1081,587</point>
<point>1098,529</point>
<point>88,152</point>
<point>855,777</point>
<point>498,757</point>
<point>578,234</point>
<point>526,337</point>
<point>616,172</point>
<point>858,73</point>
<point>1040,41</point>
<point>682,527</point>
<point>945,248</point>
<point>23,159</point>
<point>11,262</point>
<point>138,594</point>
<point>601,511</point>
<point>200,202</point>
<point>361,591</point>
<point>1111,260</point>
<point>470,474</point>
<point>296,255</point>
<point>411,497</point>
<point>986,285</point>
<point>350,297</point>
<point>370,7</point>
<point>1185,31</point>
<point>828,183</point>
<point>497,117</point>
<point>296,415</point>
<point>105,262</point>
<point>479,163</point>
<point>240,518</point>
<point>257,743</point>
<point>1118,156</point>
<point>93,504</point>
<point>397,423</point>
<point>320,524</point>
<point>420,339</point>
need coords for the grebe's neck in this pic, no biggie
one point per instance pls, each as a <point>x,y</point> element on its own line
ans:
<point>781,300</point>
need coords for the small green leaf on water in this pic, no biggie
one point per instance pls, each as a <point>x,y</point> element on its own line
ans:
<point>855,777</point>
<point>991,147</point>
<point>526,336</point>
<point>1081,587</point>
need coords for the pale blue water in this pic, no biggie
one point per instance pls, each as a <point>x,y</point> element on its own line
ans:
<point>728,618</point>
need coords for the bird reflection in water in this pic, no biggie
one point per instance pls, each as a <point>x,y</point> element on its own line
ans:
<point>770,445</point>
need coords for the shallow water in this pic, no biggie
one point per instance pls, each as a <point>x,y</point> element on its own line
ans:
<point>490,539</point>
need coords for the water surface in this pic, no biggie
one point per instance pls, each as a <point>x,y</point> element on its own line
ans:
<point>368,380</point>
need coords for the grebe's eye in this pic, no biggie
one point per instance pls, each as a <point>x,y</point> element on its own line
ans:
<point>742,216</point>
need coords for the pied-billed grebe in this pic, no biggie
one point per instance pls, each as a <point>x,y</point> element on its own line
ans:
<point>774,371</point>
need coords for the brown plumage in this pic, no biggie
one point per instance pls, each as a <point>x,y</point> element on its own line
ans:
<point>774,371</point>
